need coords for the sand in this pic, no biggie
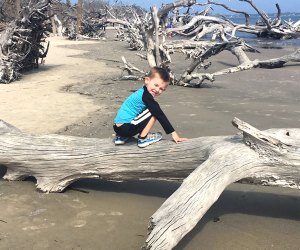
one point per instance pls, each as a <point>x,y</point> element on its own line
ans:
<point>38,104</point>
<point>75,93</point>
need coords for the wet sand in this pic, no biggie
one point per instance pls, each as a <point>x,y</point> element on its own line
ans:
<point>74,93</point>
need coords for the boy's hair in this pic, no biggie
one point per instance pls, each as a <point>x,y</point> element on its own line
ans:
<point>163,74</point>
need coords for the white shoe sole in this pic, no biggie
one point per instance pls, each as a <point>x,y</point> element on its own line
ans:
<point>148,143</point>
<point>119,143</point>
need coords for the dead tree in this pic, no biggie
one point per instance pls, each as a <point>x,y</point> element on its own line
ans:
<point>149,33</point>
<point>144,34</point>
<point>18,7</point>
<point>192,79</point>
<point>22,42</point>
<point>91,16</point>
<point>211,163</point>
<point>79,16</point>
<point>274,28</point>
<point>64,18</point>
<point>266,27</point>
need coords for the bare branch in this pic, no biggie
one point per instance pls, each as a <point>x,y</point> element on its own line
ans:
<point>247,16</point>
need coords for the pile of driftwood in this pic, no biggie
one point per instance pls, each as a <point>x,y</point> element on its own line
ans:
<point>88,19</point>
<point>211,163</point>
<point>148,31</point>
<point>85,20</point>
<point>22,41</point>
<point>207,36</point>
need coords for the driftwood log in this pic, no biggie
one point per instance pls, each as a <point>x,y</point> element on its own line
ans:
<point>270,157</point>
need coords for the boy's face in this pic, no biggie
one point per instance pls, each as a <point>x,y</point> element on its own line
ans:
<point>155,85</point>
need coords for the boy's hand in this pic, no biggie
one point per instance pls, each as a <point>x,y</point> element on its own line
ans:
<point>176,138</point>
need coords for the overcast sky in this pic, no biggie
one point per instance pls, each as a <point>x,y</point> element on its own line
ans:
<point>266,5</point>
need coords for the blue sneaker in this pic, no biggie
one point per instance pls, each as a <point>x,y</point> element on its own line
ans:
<point>120,140</point>
<point>151,138</point>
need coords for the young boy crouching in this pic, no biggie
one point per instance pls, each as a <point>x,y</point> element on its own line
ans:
<point>140,111</point>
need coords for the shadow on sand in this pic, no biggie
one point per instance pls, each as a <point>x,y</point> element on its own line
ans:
<point>273,205</point>
<point>258,203</point>
<point>2,170</point>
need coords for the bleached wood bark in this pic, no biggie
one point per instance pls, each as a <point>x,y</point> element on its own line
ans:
<point>58,26</point>
<point>197,19</point>
<point>54,28</point>
<point>130,69</point>
<point>79,16</point>
<point>156,33</point>
<point>18,7</point>
<point>269,157</point>
<point>56,161</point>
<point>171,6</point>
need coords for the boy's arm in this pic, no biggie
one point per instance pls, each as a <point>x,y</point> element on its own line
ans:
<point>156,111</point>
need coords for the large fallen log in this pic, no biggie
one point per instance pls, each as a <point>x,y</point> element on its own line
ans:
<point>56,161</point>
<point>269,157</point>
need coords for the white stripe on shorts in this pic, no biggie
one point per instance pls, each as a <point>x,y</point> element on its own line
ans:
<point>141,117</point>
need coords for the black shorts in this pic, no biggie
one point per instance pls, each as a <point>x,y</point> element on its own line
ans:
<point>135,127</point>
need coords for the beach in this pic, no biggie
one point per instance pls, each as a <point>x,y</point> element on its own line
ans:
<point>77,92</point>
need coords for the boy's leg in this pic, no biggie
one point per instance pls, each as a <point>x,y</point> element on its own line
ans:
<point>120,140</point>
<point>148,127</point>
<point>142,125</point>
<point>121,130</point>
<point>146,138</point>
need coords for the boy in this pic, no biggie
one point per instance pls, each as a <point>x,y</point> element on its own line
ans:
<point>140,111</point>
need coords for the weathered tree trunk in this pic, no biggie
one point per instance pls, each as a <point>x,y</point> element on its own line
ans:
<point>79,16</point>
<point>54,28</point>
<point>56,161</point>
<point>157,42</point>
<point>58,25</point>
<point>18,7</point>
<point>271,157</point>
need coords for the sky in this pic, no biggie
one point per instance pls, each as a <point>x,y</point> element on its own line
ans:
<point>266,5</point>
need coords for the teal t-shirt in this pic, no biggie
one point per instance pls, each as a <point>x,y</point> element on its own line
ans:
<point>131,108</point>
